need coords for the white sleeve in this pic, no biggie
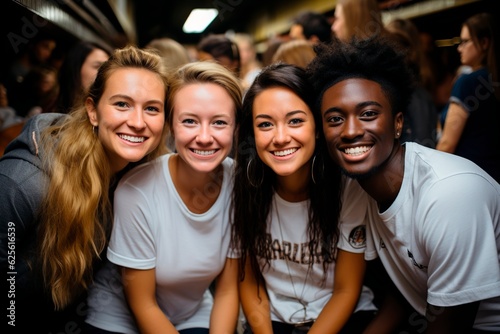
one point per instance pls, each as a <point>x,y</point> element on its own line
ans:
<point>352,225</point>
<point>132,242</point>
<point>458,235</point>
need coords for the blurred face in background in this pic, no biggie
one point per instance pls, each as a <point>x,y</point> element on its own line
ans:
<point>470,53</point>
<point>48,82</point>
<point>43,50</point>
<point>90,66</point>
<point>297,32</point>
<point>338,26</point>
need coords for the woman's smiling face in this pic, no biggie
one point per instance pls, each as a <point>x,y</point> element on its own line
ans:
<point>130,115</point>
<point>203,125</point>
<point>285,132</point>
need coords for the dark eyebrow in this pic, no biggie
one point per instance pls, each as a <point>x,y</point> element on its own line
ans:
<point>288,114</point>
<point>358,106</point>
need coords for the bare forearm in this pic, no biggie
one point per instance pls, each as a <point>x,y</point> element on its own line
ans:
<point>335,313</point>
<point>224,317</point>
<point>153,320</point>
<point>258,314</point>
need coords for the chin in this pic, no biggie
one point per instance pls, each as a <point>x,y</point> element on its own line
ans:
<point>359,175</point>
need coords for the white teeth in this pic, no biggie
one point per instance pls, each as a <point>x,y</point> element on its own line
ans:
<point>132,138</point>
<point>357,150</point>
<point>285,152</point>
<point>204,152</point>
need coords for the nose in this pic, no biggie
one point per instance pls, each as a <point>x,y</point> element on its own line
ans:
<point>136,119</point>
<point>352,128</point>
<point>205,137</point>
<point>281,136</point>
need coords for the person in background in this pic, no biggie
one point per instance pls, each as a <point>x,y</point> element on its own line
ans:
<point>311,26</point>
<point>222,49</point>
<point>40,90</point>
<point>295,52</point>
<point>10,123</point>
<point>421,117</point>
<point>8,115</point>
<point>36,53</point>
<point>173,213</point>
<point>470,128</point>
<point>302,250</point>
<point>78,72</point>
<point>357,18</point>
<point>173,54</point>
<point>57,180</point>
<point>272,46</point>
<point>434,220</point>
<point>250,64</point>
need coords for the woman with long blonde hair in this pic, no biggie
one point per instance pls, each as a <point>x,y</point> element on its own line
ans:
<point>57,178</point>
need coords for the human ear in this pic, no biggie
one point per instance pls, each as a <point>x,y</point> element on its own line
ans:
<point>398,124</point>
<point>91,111</point>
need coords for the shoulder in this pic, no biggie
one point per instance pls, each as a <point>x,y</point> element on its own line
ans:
<point>145,174</point>
<point>448,177</point>
<point>472,78</point>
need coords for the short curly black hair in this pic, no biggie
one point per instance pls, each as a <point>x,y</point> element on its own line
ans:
<point>377,59</point>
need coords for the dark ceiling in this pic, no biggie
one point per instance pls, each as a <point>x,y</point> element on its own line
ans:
<point>165,18</point>
<point>104,20</point>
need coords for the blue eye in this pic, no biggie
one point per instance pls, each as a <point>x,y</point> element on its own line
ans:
<point>154,109</point>
<point>220,122</point>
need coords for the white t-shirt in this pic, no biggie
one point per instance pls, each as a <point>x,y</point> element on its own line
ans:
<point>291,279</point>
<point>153,228</point>
<point>440,239</point>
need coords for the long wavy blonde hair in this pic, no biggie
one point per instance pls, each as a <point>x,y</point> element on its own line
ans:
<point>76,212</point>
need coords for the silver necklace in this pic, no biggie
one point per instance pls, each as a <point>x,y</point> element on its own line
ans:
<point>299,299</point>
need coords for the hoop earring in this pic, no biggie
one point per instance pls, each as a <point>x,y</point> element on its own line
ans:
<point>250,179</point>
<point>312,169</point>
<point>94,129</point>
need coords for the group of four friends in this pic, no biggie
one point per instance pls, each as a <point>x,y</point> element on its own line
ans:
<point>272,201</point>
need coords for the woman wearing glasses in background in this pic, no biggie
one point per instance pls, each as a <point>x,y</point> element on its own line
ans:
<point>472,117</point>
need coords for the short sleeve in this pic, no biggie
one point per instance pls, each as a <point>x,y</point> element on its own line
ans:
<point>132,242</point>
<point>353,216</point>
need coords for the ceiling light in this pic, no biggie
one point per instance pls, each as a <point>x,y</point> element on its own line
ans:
<point>199,19</point>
